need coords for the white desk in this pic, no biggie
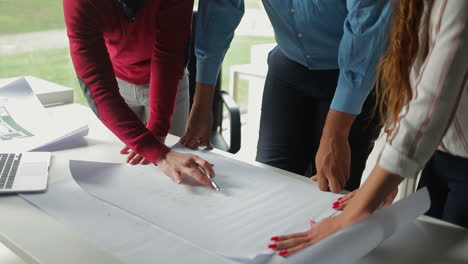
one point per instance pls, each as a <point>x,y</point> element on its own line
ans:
<point>37,238</point>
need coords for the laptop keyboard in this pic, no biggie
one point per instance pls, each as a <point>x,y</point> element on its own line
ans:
<point>9,163</point>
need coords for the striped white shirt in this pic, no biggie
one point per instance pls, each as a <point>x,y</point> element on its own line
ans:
<point>437,115</point>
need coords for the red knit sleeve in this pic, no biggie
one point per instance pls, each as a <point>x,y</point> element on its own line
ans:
<point>168,61</point>
<point>97,79</point>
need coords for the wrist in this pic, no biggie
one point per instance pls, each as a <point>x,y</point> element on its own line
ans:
<point>162,157</point>
<point>349,217</point>
<point>338,124</point>
<point>201,107</point>
<point>203,97</point>
<point>371,195</point>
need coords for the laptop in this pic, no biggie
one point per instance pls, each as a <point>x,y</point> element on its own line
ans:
<point>24,172</point>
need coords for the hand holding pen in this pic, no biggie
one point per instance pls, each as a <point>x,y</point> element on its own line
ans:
<point>213,183</point>
<point>175,164</point>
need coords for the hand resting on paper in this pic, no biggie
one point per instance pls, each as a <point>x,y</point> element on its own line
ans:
<point>342,202</point>
<point>333,158</point>
<point>197,132</point>
<point>134,158</point>
<point>176,165</point>
<point>377,190</point>
<point>290,244</point>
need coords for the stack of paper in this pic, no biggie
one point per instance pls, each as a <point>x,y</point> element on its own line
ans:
<point>25,125</point>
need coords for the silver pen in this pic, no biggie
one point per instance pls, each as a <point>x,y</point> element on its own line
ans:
<point>213,183</point>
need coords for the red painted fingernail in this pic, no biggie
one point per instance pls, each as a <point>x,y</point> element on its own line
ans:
<point>334,206</point>
<point>272,246</point>
<point>274,238</point>
<point>339,199</point>
<point>283,253</point>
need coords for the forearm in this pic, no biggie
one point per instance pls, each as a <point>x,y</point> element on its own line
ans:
<point>198,130</point>
<point>168,62</point>
<point>203,98</point>
<point>338,124</point>
<point>371,195</point>
<point>333,158</point>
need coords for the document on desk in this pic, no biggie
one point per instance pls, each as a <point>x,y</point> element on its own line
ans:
<point>123,235</point>
<point>234,225</point>
<point>354,242</point>
<point>254,204</point>
<point>25,125</point>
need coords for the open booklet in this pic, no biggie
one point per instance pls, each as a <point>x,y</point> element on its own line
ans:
<point>234,224</point>
<point>25,125</point>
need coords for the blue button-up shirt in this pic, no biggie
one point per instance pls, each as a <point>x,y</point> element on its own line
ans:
<point>349,35</point>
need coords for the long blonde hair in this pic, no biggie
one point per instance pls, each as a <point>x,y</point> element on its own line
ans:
<point>393,88</point>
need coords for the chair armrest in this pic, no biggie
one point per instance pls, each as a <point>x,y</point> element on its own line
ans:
<point>234,113</point>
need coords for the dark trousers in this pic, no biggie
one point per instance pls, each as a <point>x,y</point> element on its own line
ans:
<point>295,104</point>
<point>446,178</point>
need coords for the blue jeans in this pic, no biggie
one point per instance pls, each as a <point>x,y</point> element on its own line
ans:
<point>446,178</point>
<point>296,101</point>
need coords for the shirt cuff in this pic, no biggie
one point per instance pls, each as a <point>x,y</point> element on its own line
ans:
<point>348,99</point>
<point>150,148</point>
<point>398,163</point>
<point>207,72</point>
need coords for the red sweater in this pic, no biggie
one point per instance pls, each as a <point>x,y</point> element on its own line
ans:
<point>105,45</point>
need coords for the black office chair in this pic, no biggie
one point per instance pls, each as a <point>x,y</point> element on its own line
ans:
<point>220,98</point>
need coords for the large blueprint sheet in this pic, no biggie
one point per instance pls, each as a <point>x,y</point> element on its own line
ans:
<point>253,205</point>
<point>123,235</point>
<point>139,203</point>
